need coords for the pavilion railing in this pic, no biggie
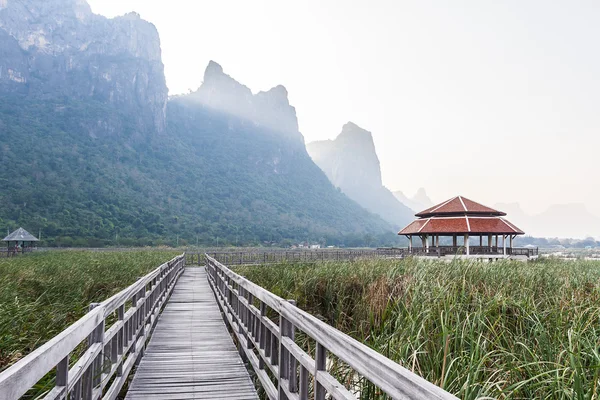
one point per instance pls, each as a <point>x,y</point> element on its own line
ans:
<point>282,256</point>
<point>110,354</point>
<point>283,368</point>
<point>473,250</point>
<point>529,252</point>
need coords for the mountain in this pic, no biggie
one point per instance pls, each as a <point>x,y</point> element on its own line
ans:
<point>351,163</point>
<point>260,172</point>
<point>94,153</point>
<point>558,221</point>
<point>419,202</point>
<point>59,48</point>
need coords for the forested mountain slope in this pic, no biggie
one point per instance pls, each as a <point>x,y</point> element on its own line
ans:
<point>351,163</point>
<point>93,153</point>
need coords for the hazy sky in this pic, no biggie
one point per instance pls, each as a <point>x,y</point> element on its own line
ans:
<point>495,100</point>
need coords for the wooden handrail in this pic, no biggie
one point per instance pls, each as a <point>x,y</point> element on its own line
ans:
<point>277,351</point>
<point>110,353</point>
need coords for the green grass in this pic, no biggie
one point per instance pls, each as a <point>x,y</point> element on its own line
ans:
<point>43,293</point>
<point>507,330</point>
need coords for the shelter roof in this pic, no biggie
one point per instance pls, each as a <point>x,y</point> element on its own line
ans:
<point>465,224</point>
<point>459,205</point>
<point>20,235</point>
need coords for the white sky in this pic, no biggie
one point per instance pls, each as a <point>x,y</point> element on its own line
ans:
<point>496,100</point>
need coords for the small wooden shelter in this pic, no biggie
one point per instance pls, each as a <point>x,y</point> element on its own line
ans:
<point>21,240</point>
<point>461,217</point>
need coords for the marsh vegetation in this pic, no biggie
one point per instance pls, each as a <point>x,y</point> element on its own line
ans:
<point>43,293</point>
<point>507,330</point>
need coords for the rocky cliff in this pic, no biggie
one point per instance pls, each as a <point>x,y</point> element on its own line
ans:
<point>351,164</point>
<point>59,48</point>
<point>255,168</point>
<point>82,99</point>
<point>270,111</point>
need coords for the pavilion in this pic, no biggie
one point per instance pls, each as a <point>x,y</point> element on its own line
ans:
<point>462,218</point>
<point>22,239</point>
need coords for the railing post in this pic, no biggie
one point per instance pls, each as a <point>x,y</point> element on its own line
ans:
<point>287,363</point>
<point>143,324</point>
<point>132,320</point>
<point>303,383</point>
<point>293,363</point>
<point>283,361</point>
<point>62,373</point>
<point>320,365</point>
<point>262,342</point>
<point>249,320</point>
<point>241,318</point>
<point>93,374</point>
<point>120,338</point>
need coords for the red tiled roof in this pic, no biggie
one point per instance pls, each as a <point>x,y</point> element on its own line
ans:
<point>478,225</point>
<point>459,205</point>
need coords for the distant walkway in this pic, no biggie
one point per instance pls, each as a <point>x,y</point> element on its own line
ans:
<point>191,355</point>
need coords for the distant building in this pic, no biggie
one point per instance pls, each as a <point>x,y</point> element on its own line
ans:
<point>462,218</point>
<point>21,241</point>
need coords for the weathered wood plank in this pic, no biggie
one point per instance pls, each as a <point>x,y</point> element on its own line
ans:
<point>191,354</point>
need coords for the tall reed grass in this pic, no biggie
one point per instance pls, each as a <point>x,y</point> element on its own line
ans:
<point>43,293</point>
<point>507,330</point>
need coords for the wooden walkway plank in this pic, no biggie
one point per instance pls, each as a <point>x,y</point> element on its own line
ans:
<point>191,354</point>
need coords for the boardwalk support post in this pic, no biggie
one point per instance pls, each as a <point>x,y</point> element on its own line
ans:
<point>320,365</point>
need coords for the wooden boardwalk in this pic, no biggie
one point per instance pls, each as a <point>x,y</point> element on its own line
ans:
<point>191,354</point>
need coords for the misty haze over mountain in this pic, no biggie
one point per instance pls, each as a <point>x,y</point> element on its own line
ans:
<point>419,202</point>
<point>94,147</point>
<point>95,153</point>
<point>495,101</point>
<point>558,221</point>
<point>351,164</point>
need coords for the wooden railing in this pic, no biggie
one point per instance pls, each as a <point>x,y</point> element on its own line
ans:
<point>272,351</point>
<point>110,353</point>
<point>13,251</point>
<point>254,257</point>
<point>473,250</point>
<point>282,256</point>
<point>529,252</point>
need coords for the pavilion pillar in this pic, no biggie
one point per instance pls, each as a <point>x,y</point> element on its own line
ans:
<point>511,242</point>
<point>467,243</point>
<point>480,240</point>
<point>504,244</point>
<point>490,241</point>
<point>410,243</point>
<point>426,244</point>
<point>496,241</point>
<point>454,241</point>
